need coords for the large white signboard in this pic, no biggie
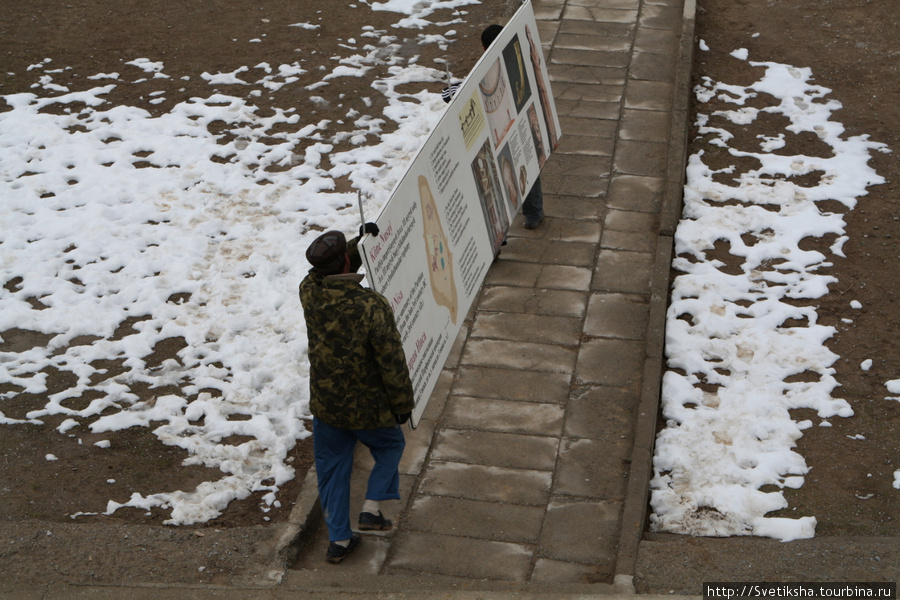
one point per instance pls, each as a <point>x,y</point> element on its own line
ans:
<point>448,216</point>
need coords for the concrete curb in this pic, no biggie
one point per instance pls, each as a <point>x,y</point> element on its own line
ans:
<point>302,519</point>
<point>634,511</point>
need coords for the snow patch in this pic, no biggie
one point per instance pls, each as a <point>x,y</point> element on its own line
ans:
<point>741,351</point>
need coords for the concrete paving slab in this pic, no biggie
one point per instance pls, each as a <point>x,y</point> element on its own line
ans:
<point>557,571</point>
<point>542,329</point>
<point>588,186</point>
<point>549,251</point>
<point>640,158</point>
<point>645,125</point>
<point>568,230</point>
<point>504,416</point>
<point>548,12</point>
<point>661,17</point>
<point>574,166</point>
<point>511,450</point>
<point>585,176</point>
<point>627,272</point>
<point>569,208</point>
<point>582,126</point>
<point>631,220</point>
<point>592,468</point>
<point>565,537</point>
<point>463,557</point>
<point>536,301</point>
<point>582,74</point>
<point>617,316</point>
<point>588,107</point>
<point>530,275</point>
<point>514,273</point>
<point>582,41</point>
<point>487,483</point>
<point>656,41</point>
<point>599,29</point>
<point>586,144</point>
<point>631,242</point>
<point>635,192</point>
<point>600,14</point>
<point>601,412</point>
<point>513,384</point>
<point>527,356</point>
<point>651,67</point>
<point>611,362</point>
<point>590,93</point>
<point>476,519</point>
<point>649,95</point>
<point>563,277</point>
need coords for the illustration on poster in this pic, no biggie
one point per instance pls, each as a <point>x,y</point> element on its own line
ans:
<point>537,137</point>
<point>515,70</point>
<point>508,173</point>
<point>440,260</point>
<point>471,122</point>
<point>497,102</point>
<point>487,182</point>
<point>542,90</point>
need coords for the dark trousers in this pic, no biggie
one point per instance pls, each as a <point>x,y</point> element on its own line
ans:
<point>333,448</point>
<point>533,206</point>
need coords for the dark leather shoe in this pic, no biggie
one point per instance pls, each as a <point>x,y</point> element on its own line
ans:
<point>370,522</point>
<point>336,553</point>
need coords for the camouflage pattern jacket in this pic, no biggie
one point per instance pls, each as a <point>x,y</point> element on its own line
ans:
<point>358,373</point>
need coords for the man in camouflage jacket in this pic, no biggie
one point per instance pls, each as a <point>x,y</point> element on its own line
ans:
<point>359,386</point>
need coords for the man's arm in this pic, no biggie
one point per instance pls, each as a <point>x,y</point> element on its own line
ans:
<point>391,360</point>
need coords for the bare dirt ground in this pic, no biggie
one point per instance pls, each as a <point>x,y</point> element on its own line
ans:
<point>87,37</point>
<point>850,46</point>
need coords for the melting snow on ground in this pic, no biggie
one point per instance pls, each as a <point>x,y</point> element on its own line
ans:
<point>733,338</point>
<point>112,216</point>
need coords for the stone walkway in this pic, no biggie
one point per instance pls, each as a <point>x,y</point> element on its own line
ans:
<point>532,460</point>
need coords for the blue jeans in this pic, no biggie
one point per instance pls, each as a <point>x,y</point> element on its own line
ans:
<point>333,448</point>
<point>533,206</point>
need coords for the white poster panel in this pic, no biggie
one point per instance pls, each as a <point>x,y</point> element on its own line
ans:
<point>449,214</point>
